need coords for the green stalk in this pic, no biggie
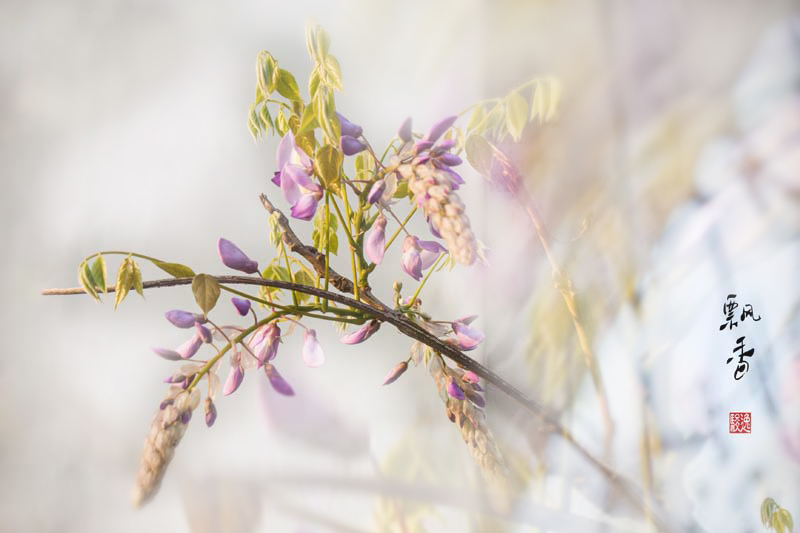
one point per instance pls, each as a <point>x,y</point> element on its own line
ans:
<point>425,279</point>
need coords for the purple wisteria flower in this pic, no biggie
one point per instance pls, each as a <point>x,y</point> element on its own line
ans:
<point>470,377</point>
<point>169,355</point>
<point>242,305</point>
<point>313,355</point>
<point>361,334</point>
<point>411,261</point>
<point>454,391</point>
<point>418,255</point>
<point>210,411</point>
<point>276,380</point>
<point>348,128</point>
<point>233,257</point>
<point>375,240</point>
<point>264,342</point>
<point>468,337</point>
<point>293,176</point>
<point>204,333</point>
<point>351,145</point>
<point>235,377</point>
<point>439,128</point>
<point>376,191</point>
<point>181,319</point>
<point>190,347</point>
<point>184,351</point>
<point>405,132</point>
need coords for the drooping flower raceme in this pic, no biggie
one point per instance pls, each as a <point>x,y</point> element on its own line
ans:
<point>166,431</point>
<point>433,183</point>
<point>294,178</point>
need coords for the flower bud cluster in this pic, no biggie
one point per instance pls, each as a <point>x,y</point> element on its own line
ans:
<point>433,182</point>
<point>166,431</point>
<point>460,392</point>
<point>434,192</point>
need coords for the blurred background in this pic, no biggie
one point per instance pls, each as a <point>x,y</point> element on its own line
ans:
<point>669,179</point>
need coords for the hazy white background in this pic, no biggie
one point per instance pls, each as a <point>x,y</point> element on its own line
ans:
<point>123,126</point>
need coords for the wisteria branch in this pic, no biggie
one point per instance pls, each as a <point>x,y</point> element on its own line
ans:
<point>409,328</point>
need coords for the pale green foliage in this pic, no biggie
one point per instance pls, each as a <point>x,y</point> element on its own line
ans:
<point>322,239</point>
<point>775,517</point>
<point>496,119</point>
<point>128,277</point>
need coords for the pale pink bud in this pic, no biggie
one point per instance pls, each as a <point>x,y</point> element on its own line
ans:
<point>405,130</point>
<point>375,240</point>
<point>190,347</point>
<point>439,128</point>
<point>312,353</point>
<point>210,411</point>
<point>276,380</point>
<point>170,355</point>
<point>396,372</point>
<point>235,377</point>
<point>361,334</point>
<point>468,337</point>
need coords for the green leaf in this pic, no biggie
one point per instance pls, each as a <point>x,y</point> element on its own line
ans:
<point>767,508</point>
<point>326,115</point>
<point>311,40</point>
<point>286,84</point>
<point>124,279</point>
<point>402,189</point>
<point>206,291</point>
<point>329,162</point>
<point>334,73</point>
<point>314,83</point>
<point>281,123</point>
<point>99,273</point>
<point>516,115</point>
<point>323,239</point>
<point>475,119</point>
<point>554,100</point>
<point>275,231</point>
<point>136,278</point>
<point>308,121</point>
<point>539,105</point>
<point>333,241</point>
<point>86,281</point>
<point>273,271</point>
<point>176,270</point>
<point>303,277</point>
<point>323,42</point>
<point>253,122</point>
<point>264,118</point>
<point>479,154</point>
<point>784,518</point>
<point>265,73</point>
<point>496,117</point>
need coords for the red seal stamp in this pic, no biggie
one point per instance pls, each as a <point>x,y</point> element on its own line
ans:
<point>739,422</point>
